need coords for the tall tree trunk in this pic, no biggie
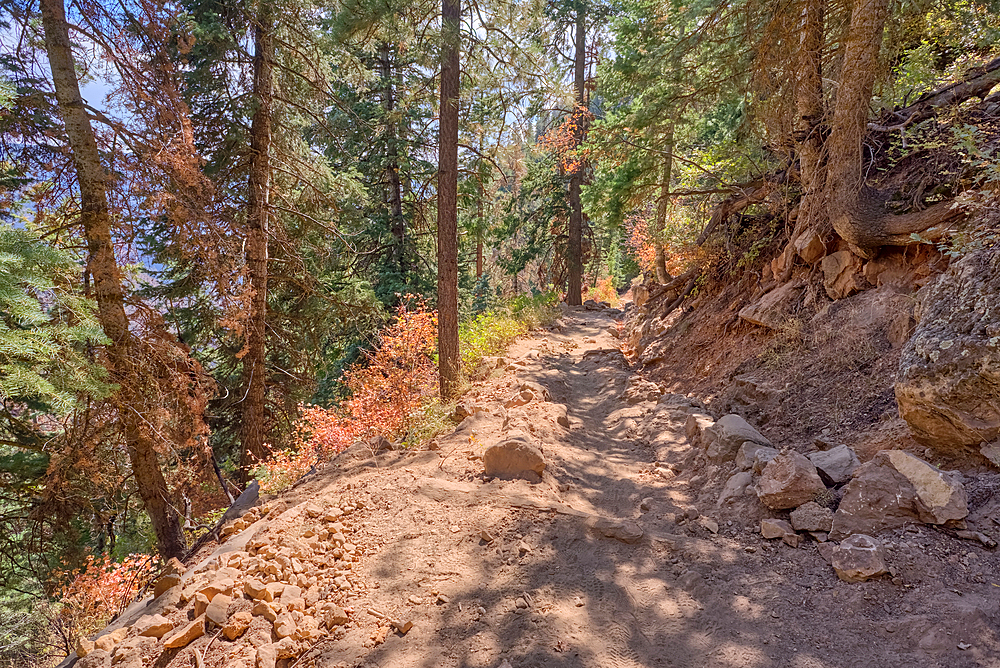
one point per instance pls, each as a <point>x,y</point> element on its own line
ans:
<point>809,112</point>
<point>574,245</point>
<point>95,214</point>
<point>253,428</point>
<point>844,179</point>
<point>394,194</point>
<point>447,219</point>
<point>660,222</point>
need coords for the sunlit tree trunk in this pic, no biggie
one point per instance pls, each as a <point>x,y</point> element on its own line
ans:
<point>254,415</point>
<point>447,220</point>
<point>95,215</point>
<point>809,112</point>
<point>574,244</point>
<point>660,222</point>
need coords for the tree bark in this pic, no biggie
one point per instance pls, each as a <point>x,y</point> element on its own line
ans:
<point>254,415</point>
<point>809,113</point>
<point>394,195</point>
<point>449,361</point>
<point>95,215</point>
<point>574,243</point>
<point>660,257</point>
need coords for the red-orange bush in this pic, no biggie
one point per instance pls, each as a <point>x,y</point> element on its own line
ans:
<point>101,589</point>
<point>386,394</point>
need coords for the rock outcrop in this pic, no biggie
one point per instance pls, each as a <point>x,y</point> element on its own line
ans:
<point>948,384</point>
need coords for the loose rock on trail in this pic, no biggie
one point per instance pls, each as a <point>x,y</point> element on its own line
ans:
<point>617,543</point>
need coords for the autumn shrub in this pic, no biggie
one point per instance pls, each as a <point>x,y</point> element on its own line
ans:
<point>386,395</point>
<point>99,590</point>
<point>605,291</point>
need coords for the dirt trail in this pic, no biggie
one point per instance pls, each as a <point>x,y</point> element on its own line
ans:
<point>609,561</point>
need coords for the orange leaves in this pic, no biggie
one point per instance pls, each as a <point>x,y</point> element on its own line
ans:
<point>101,589</point>
<point>386,395</point>
<point>564,140</point>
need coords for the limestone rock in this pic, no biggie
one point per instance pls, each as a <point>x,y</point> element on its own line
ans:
<point>747,453</point>
<point>835,465</point>
<point>335,616</point>
<point>772,528</point>
<point>98,658</point>
<point>218,610</point>
<point>949,370</point>
<point>174,567</point>
<point>284,625</point>
<point>858,558</point>
<point>254,589</point>
<point>186,635</point>
<point>774,309</point>
<point>841,271</point>
<point>83,646</point>
<point>514,458</point>
<point>696,425</point>
<point>267,655</point>
<point>154,626</point>
<point>809,246</point>
<point>788,481</point>
<point>200,604</point>
<point>165,583</point>
<point>108,641</point>
<point>896,488</point>
<point>812,517</point>
<point>724,438</point>
<point>237,625</point>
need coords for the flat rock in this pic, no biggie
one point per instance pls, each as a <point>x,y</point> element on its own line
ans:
<point>514,458</point>
<point>773,310</point>
<point>186,634</point>
<point>166,583</point>
<point>835,465</point>
<point>788,481</point>
<point>723,439</point>
<point>154,626</point>
<point>858,558</point>
<point>772,528</point>
<point>812,517</point>
<point>735,487</point>
<point>626,531</point>
<point>896,488</point>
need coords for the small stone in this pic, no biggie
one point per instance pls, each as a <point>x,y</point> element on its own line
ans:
<point>521,603</point>
<point>218,609</point>
<point>254,589</point>
<point>646,504</point>
<point>415,600</point>
<point>486,536</point>
<point>626,531</point>
<point>237,625</point>
<point>186,634</point>
<point>858,558</point>
<point>153,626</point>
<point>577,601</point>
<point>441,598</point>
<point>284,625</point>
<point>772,528</point>
<point>265,610</point>
<point>709,523</point>
<point>812,517</point>
<point>83,646</point>
<point>335,616</point>
<point>166,583</point>
<point>267,655</point>
<point>201,603</point>
<point>523,548</point>
<point>402,627</point>
<point>964,646</point>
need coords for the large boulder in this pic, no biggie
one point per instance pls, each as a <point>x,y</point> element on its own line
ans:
<point>948,384</point>
<point>723,439</point>
<point>514,458</point>
<point>896,488</point>
<point>788,481</point>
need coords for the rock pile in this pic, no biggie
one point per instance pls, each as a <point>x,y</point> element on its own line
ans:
<point>270,601</point>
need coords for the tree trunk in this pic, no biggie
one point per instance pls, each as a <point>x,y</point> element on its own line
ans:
<point>394,195</point>
<point>447,220</point>
<point>253,427</point>
<point>809,113</point>
<point>844,180</point>
<point>660,258</point>
<point>574,244</point>
<point>95,215</point>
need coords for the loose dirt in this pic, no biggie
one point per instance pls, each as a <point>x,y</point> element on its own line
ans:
<point>619,557</point>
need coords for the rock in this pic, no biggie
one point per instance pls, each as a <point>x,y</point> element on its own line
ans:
<point>267,655</point>
<point>335,616</point>
<point>826,551</point>
<point>809,246</point>
<point>165,583</point>
<point>735,487</point>
<point>108,641</point>
<point>708,523</point>
<point>858,558</point>
<point>200,604</point>
<point>812,517</point>
<point>949,370</point>
<point>463,410</point>
<point>284,625</point>
<point>626,531</point>
<point>696,425</point>
<point>841,271</point>
<point>562,416</point>
<point>788,481</point>
<point>747,453</point>
<point>237,625</point>
<point>722,439</point>
<point>835,465</point>
<point>639,390</point>
<point>762,458</point>
<point>265,610</point>
<point>186,635</point>
<point>772,528</point>
<point>896,488</point>
<point>774,309</point>
<point>254,589</point>
<point>98,658</point>
<point>514,458</point>
<point>154,626</point>
<point>174,567</point>
<point>527,392</point>
<point>83,646</point>
<point>218,609</point>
